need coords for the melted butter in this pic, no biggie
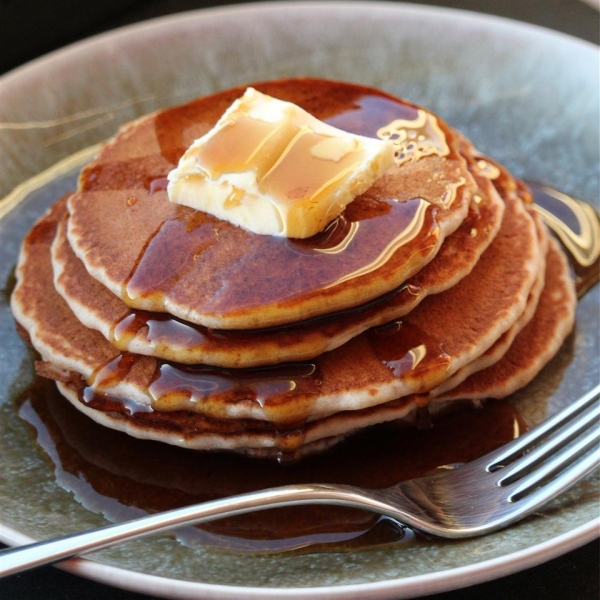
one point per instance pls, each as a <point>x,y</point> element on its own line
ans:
<point>274,169</point>
<point>301,174</point>
<point>235,198</point>
<point>291,160</point>
<point>243,144</point>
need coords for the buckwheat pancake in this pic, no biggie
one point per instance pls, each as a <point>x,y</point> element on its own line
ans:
<point>536,344</point>
<point>163,336</point>
<point>412,356</point>
<point>533,347</point>
<point>167,258</point>
<point>493,354</point>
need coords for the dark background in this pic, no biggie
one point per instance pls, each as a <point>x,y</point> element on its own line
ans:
<point>31,29</point>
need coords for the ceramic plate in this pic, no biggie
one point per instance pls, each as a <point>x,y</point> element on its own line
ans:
<point>526,96</point>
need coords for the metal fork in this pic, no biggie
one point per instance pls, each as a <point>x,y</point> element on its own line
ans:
<point>471,500</point>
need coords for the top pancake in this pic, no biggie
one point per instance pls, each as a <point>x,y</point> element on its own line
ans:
<point>168,258</point>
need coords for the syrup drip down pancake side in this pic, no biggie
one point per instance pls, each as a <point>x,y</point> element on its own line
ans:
<point>401,358</point>
<point>163,336</point>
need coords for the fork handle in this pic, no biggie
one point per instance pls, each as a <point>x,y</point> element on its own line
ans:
<point>21,558</point>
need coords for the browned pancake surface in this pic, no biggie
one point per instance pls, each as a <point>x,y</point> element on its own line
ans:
<point>538,341</point>
<point>169,258</point>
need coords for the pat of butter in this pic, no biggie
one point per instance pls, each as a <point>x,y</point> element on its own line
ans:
<point>272,168</point>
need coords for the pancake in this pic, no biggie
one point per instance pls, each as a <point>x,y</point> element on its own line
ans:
<point>412,356</point>
<point>31,307</point>
<point>166,337</point>
<point>536,344</point>
<point>501,345</point>
<point>435,288</point>
<point>261,439</point>
<point>167,258</point>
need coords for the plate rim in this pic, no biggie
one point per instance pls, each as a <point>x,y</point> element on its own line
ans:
<point>414,586</point>
<point>428,583</point>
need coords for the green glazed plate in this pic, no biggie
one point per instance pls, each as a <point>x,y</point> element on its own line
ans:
<point>524,95</point>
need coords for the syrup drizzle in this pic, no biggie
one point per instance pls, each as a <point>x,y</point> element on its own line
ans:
<point>163,331</point>
<point>371,237</point>
<point>388,235</point>
<point>286,392</point>
<point>415,138</point>
<point>577,226</point>
<point>267,387</point>
<point>575,223</point>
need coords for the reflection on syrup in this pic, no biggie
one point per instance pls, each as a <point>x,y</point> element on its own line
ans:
<point>101,466</point>
<point>575,223</point>
<point>407,351</point>
<point>577,226</point>
<point>369,237</point>
<point>415,138</point>
<point>267,387</point>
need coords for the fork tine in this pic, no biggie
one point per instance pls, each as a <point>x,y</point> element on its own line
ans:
<point>573,463</point>
<point>559,439</point>
<point>536,435</point>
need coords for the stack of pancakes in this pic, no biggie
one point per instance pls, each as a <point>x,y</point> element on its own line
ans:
<point>439,284</point>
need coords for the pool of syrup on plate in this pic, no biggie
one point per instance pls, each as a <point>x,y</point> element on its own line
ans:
<point>123,477</point>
